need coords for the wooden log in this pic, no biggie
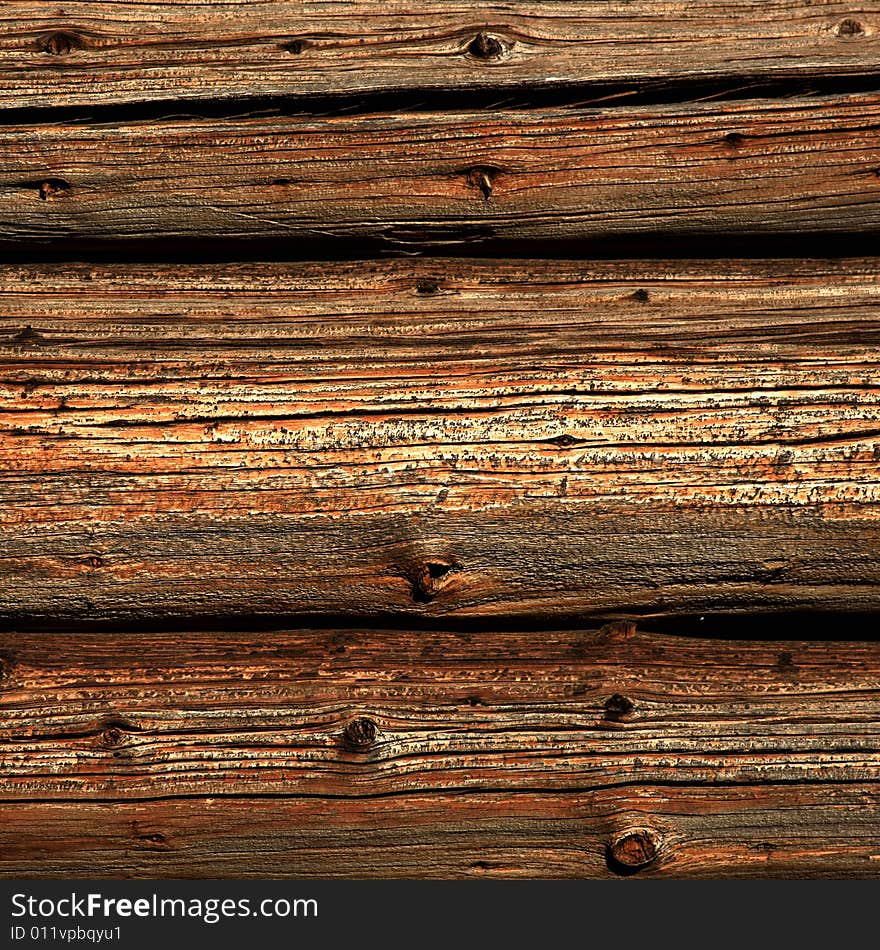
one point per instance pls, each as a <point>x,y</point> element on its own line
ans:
<point>772,831</point>
<point>117,51</point>
<point>400,753</point>
<point>439,438</point>
<point>405,181</point>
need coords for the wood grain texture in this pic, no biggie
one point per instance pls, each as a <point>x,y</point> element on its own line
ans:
<point>406,181</point>
<point>193,457</point>
<point>511,755</point>
<point>103,52</point>
<point>439,438</point>
<point>765,831</point>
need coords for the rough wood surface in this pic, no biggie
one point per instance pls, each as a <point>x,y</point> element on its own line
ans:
<point>490,446</point>
<point>766,830</point>
<point>439,437</point>
<point>387,753</point>
<point>768,167</point>
<point>129,51</point>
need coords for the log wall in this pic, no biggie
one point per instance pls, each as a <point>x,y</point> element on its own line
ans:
<point>439,442</point>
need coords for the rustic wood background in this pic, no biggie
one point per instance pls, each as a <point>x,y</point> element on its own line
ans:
<point>438,441</point>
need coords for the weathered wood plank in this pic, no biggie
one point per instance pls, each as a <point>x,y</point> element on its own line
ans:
<point>388,753</point>
<point>413,180</point>
<point>376,713</point>
<point>439,438</point>
<point>780,831</point>
<point>125,51</point>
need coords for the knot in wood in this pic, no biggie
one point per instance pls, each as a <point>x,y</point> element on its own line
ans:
<point>151,840</point>
<point>485,46</point>
<point>155,837</point>
<point>61,43</point>
<point>849,27</point>
<point>633,851</point>
<point>429,579</point>
<point>52,186</point>
<point>428,287</point>
<point>481,178</point>
<point>112,737</point>
<point>618,706</point>
<point>359,735</point>
<point>339,642</point>
<point>294,46</point>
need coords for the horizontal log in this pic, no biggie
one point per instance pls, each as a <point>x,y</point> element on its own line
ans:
<point>438,438</point>
<point>409,180</point>
<point>393,753</point>
<point>773,831</point>
<point>122,51</point>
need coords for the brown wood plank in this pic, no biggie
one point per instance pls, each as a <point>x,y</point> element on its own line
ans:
<point>769,831</point>
<point>439,438</point>
<point>119,51</point>
<point>390,753</point>
<point>409,180</point>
